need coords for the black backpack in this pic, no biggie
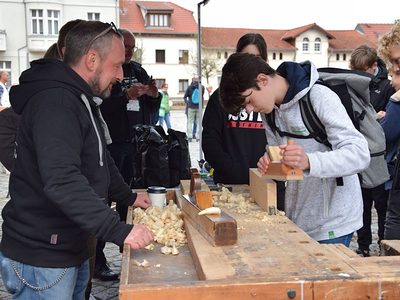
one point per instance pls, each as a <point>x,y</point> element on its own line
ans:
<point>353,89</point>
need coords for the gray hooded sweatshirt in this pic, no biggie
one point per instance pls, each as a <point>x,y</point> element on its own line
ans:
<point>317,204</point>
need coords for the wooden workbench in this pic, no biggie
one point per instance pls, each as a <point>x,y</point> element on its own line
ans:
<point>273,259</point>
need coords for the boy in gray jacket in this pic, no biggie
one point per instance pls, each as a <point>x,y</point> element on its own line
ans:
<point>326,210</point>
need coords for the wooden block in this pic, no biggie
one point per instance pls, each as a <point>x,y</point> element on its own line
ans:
<point>218,230</point>
<point>274,153</point>
<point>203,199</point>
<point>390,247</point>
<point>281,172</point>
<point>262,190</point>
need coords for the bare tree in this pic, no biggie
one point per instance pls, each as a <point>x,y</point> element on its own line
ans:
<point>208,67</point>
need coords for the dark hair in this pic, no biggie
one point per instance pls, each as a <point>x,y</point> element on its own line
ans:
<point>88,35</point>
<point>239,74</point>
<point>63,33</point>
<point>52,52</point>
<point>253,39</point>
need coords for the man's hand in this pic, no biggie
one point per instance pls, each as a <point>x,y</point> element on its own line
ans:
<point>139,89</point>
<point>294,156</point>
<point>139,237</point>
<point>142,200</point>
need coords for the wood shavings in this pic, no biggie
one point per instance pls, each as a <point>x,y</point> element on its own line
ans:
<point>143,264</point>
<point>165,223</point>
<point>210,211</point>
<point>150,247</point>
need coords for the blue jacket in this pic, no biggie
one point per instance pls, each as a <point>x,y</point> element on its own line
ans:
<point>390,124</point>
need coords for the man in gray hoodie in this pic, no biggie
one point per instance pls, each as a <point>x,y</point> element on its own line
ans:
<point>327,211</point>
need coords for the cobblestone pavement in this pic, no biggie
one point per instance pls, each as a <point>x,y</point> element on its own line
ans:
<point>109,290</point>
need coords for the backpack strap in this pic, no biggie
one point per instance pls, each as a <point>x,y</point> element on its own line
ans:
<point>275,129</point>
<point>312,122</point>
<point>314,125</point>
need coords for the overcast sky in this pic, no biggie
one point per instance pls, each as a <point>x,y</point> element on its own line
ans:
<point>286,14</point>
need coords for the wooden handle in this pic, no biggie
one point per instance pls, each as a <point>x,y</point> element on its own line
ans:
<point>195,181</point>
<point>290,142</point>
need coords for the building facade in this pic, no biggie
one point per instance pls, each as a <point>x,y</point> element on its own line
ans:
<point>166,38</point>
<point>28,28</point>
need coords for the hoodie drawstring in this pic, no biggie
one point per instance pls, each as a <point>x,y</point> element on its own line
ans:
<point>86,102</point>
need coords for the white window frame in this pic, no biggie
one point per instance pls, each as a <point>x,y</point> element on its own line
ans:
<point>305,46</point>
<point>317,45</point>
<point>45,21</point>
<point>53,21</point>
<point>93,16</point>
<point>158,20</point>
<point>37,21</point>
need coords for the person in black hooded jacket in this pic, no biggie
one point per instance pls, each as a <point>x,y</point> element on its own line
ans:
<point>63,174</point>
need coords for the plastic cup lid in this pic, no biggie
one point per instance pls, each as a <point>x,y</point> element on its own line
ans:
<point>156,189</point>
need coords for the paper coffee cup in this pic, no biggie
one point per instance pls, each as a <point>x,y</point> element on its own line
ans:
<point>157,195</point>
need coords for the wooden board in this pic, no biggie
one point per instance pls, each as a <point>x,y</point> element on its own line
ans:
<point>262,190</point>
<point>273,259</point>
<point>218,230</point>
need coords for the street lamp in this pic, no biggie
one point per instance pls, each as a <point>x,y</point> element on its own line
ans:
<point>200,87</point>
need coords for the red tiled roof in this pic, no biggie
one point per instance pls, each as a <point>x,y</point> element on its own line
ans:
<point>154,5</point>
<point>373,31</point>
<point>348,40</point>
<point>227,38</point>
<point>131,18</point>
<point>293,33</point>
<point>280,39</point>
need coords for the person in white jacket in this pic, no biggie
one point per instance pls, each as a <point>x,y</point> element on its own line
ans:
<point>327,211</point>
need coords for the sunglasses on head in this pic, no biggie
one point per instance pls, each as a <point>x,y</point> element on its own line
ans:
<point>103,33</point>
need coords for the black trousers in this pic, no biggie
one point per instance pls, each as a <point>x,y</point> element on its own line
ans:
<point>379,197</point>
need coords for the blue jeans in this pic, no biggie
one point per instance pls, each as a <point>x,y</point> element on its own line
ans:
<point>50,283</point>
<point>166,118</point>
<point>345,240</point>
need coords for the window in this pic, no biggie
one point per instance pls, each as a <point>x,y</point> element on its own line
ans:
<point>37,21</point>
<point>183,56</point>
<point>305,44</point>
<point>92,16</point>
<point>344,56</point>
<point>317,45</point>
<point>280,56</point>
<point>226,54</point>
<point>158,20</point>
<point>160,56</point>
<point>46,22</point>
<point>159,82</point>
<point>274,56</point>
<point>53,18</point>
<point>6,66</point>
<point>219,55</point>
<point>183,85</point>
<point>337,56</point>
